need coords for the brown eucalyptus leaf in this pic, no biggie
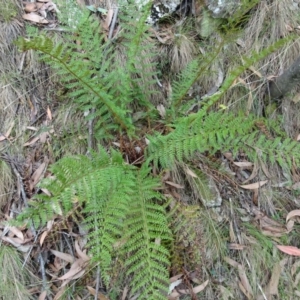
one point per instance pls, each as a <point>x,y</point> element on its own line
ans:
<point>292,214</point>
<point>178,186</point>
<point>17,232</point>
<point>33,17</point>
<point>77,270</point>
<point>243,164</point>
<point>254,186</point>
<point>291,250</point>
<point>100,296</point>
<point>36,176</point>
<point>64,256</point>
<point>43,295</point>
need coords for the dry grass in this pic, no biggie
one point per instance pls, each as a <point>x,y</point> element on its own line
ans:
<point>7,184</point>
<point>13,277</point>
<point>177,45</point>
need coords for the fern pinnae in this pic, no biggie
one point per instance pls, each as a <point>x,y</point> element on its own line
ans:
<point>82,76</point>
<point>105,219</point>
<point>146,225</point>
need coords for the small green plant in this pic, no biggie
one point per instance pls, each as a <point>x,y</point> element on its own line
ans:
<point>8,11</point>
<point>121,203</point>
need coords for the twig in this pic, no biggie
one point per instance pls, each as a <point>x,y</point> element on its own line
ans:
<point>113,23</point>
<point>91,131</point>
<point>97,283</point>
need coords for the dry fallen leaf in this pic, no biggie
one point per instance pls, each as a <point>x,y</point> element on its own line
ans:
<point>76,271</point>
<point>256,72</point>
<point>291,250</point>
<point>6,135</point>
<point>36,176</point>
<point>190,172</point>
<point>253,174</point>
<point>108,19</point>
<point>17,232</point>
<point>272,287</point>
<point>178,186</point>
<point>30,6</point>
<point>244,284</point>
<point>93,292</point>
<point>43,295</point>
<point>81,253</point>
<point>64,256</point>
<point>254,186</point>
<point>125,292</point>
<point>292,214</point>
<point>162,111</point>
<point>43,236</point>
<point>17,243</point>
<point>33,17</point>
<point>32,141</point>
<point>234,246</point>
<point>60,293</point>
<point>243,164</point>
<point>176,277</point>
<point>195,290</point>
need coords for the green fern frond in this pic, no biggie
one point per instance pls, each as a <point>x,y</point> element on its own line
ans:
<point>72,70</point>
<point>199,66</point>
<point>139,71</point>
<point>76,179</point>
<point>248,62</point>
<point>184,82</point>
<point>146,232</point>
<point>120,201</point>
<point>88,67</point>
<point>220,131</point>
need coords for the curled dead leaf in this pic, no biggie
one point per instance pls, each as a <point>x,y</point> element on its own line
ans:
<point>35,18</point>
<point>292,214</point>
<point>81,253</point>
<point>17,232</point>
<point>195,290</point>
<point>76,271</point>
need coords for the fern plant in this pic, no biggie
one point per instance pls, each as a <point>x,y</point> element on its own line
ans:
<point>94,76</point>
<point>120,203</point>
<point>220,131</point>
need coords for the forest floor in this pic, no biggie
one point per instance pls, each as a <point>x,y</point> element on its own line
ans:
<point>239,241</point>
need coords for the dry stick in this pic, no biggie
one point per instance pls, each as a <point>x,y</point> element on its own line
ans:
<point>113,23</point>
<point>97,282</point>
<point>23,196</point>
